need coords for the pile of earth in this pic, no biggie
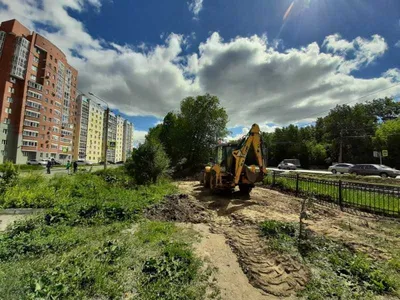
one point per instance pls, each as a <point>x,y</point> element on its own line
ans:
<point>178,208</point>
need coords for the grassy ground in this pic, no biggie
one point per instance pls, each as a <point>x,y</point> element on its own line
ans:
<point>364,199</point>
<point>337,271</point>
<point>92,242</point>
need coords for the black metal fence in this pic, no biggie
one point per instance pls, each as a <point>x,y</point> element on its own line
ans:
<point>372,198</point>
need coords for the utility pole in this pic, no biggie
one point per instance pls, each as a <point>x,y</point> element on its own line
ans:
<point>341,147</point>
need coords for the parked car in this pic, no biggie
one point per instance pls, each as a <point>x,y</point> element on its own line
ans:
<point>82,162</point>
<point>286,166</point>
<point>371,169</point>
<point>36,162</point>
<point>340,168</point>
<point>293,161</point>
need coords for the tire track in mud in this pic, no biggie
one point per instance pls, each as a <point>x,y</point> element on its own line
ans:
<point>273,273</point>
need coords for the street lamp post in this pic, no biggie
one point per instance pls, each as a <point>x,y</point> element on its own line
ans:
<point>106,128</point>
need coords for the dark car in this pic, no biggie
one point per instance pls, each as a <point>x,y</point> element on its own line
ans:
<point>371,169</point>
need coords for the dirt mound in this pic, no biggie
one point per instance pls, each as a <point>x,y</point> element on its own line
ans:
<point>178,208</point>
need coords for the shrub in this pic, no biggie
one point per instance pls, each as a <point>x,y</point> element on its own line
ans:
<point>9,176</point>
<point>148,163</point>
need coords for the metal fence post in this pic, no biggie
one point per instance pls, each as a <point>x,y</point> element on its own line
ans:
<point>297,184</point>
<point>273,178</point>
<point>340,196</point>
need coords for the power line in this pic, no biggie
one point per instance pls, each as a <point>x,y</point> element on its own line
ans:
<point>378,91</point>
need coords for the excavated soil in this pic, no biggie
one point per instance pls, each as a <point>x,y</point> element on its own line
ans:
<point>178,208</point>
<point>236,217</point>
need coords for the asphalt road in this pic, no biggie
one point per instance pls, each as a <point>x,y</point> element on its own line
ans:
<point>318,172</point>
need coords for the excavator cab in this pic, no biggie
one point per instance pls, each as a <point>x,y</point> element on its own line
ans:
<point>234,164</point>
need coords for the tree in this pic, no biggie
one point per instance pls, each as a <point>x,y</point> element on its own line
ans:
<point>188,137</point>
<point>148,163</point>
<point>384,109</point>
<point>387,137</point>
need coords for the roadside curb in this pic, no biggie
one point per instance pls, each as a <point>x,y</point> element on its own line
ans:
<point>20,211</point>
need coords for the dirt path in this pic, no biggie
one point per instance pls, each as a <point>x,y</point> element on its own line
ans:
<point>5,220</point>
<point>234,220</point>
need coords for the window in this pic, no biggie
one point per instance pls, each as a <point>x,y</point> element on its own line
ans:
<point>30,133</point>
<point>44,118</point>
<point>33,77</point>
<point>34,95</point>
<point>33,104</point>
<point>13,80</point>
<point>3,152</point>
<point>46,100</point>
<point>48,74</point>
<point>10,100</point>
<point>5,131</point>
<point>47,92</point>
<point>34,68</point>
<point>47,82</point>
<point>8,110</point>
<point>32,114</point>
<point>35,59</point>
<point>29,143</point>
<point>51,57</point>
<point>37,50</point>
<point>4,142</point>
<point>35,85</point>
<point>31,123</point>
<point>11,90</point>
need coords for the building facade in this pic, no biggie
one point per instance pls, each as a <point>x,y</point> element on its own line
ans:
<point>119,146</point>
<point>127,140</point>
<point>37,97</point>
<point>82,124</point>
<point>94,151</point>
<point>110,136</point>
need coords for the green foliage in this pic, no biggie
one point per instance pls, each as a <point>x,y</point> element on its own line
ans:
<point>149,162</point>
<point>189,136</point>
<point>116,176</point>
<point>8,178</point>
<point>354,125</point>
<point>337,271</point>
<point>275,228</point>
<point>108,263</point>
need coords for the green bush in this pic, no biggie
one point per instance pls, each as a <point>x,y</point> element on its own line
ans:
<point>116,176</point>
<point>8,178</point>
<point>148,163</point>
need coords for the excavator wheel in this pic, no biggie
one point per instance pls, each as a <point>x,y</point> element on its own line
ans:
<point>245,188</point>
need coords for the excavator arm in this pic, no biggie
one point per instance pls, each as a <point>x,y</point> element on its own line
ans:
<point>252,139</point>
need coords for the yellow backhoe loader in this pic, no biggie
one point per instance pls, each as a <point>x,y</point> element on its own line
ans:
<point>239,163</point>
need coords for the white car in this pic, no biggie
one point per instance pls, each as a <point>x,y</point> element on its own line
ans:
<point>340,168</point>
<point>286,166</point>
<point>82,162</point>
<point>36,162</point>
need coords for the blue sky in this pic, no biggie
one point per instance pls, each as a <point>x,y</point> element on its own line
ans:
<point>144,56</point>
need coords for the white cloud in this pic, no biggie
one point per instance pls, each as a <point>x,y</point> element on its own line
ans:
<point>195,6</point>
<point>393,74</point>
<point>255,81</point>
<point>397,44</point>
<point>364,51</point>
<point>139,137</point>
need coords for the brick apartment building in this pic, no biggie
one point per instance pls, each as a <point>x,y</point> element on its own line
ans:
<point>37,97</point>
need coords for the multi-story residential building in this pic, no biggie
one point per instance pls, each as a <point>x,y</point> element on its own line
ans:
<point>119,141</point>
<point>110,136</point>
<point>89,135</point>
<point>37,97</point>
<point>128,140</point>
<point>81,132</point>
<point>94,151</point>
